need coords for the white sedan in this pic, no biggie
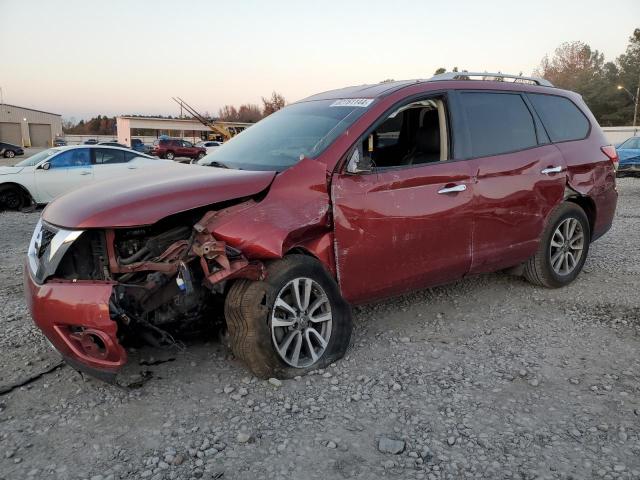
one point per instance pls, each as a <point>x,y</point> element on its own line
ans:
<point>209,145</point>
<point>50,173</point>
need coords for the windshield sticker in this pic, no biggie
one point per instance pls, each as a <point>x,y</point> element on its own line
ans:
<point>353,102</point>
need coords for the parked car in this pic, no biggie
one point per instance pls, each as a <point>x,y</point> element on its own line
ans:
<point>59,142</point>
<point>629,154</point>
<point>8,150</point>
<point>139,146</point>
<point>174,147</point>
<point>346,197</point>
<point>52,172</point>
<point>91,141</point>
<point>209,145</point>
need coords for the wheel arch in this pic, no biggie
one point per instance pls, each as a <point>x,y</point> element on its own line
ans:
<point>586,203</point>
<point>25,191</point>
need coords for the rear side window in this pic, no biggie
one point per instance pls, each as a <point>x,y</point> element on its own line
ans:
<point>498,123</point>
<point>106,156</point>
<point>561,117</point>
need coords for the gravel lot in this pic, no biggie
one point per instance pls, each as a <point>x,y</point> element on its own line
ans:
<point>486,378</point>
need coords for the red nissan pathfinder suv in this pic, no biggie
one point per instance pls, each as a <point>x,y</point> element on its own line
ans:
<point>171,148</point>
<point>345,197</point>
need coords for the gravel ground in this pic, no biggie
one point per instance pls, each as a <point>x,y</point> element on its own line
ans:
<point>486,378</point>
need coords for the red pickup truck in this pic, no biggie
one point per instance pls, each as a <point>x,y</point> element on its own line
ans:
<point>174,147</point>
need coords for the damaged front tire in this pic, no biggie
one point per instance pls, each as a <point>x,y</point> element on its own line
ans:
<point>292,322</point>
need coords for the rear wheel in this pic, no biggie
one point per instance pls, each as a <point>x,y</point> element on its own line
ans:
<point>9,154</point>
<point>292,322</point>
<point>199,156</point>
<point>169,155</point>
<point>563,248</point>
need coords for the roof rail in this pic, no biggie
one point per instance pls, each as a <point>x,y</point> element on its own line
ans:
<point>497,77</point>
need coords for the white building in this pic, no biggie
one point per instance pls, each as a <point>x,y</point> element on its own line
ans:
<point>26,127</point>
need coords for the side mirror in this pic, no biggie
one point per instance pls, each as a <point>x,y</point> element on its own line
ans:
<point>359,163</point>
<point>46,166</point>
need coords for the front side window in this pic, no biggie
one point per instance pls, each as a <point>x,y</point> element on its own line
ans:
<point>413,134</point>
<point>187,144</point>
<point>562,119</point>
<point>498,123</point>
<point>77,157</point>
<point>107,156</point>
<point>300,130</point>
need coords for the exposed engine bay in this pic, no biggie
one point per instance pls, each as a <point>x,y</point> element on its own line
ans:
<point>167,277</point>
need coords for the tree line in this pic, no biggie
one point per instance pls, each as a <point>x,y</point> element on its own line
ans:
<point>576,66</point>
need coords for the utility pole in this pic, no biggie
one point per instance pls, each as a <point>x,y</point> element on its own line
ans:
<point>635,111</point>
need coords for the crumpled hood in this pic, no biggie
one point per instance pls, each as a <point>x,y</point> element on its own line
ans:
<point>147,197</point>
<point>10,170</point>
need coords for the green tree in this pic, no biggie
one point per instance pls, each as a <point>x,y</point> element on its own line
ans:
<point>439,71</point>
<point>575,66</point>
<point>629,75</point>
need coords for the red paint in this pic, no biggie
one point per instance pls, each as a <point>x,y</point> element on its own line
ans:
<point>57,306</point>
<point>379,233</point>
<point>512,201</point>
<point>394,232</point>
<point>145,198</point>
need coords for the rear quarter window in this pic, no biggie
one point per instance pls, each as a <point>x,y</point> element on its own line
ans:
<point>562,119</point>
<point>498,123</point>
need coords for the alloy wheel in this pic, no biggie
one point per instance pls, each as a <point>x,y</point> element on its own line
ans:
<point>301,322</point>
<point>567,245</point>
<point>10,154</point>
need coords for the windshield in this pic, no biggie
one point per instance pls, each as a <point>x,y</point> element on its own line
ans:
<point>37,158</point>
<point>283,138</point>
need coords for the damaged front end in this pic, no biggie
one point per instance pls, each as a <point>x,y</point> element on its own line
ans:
<point>89,291</point>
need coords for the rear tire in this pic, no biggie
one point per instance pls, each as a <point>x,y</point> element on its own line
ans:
<point>267,336</point>
<point>199,156</point>
<point>563,248</point>
<point>9,154</point>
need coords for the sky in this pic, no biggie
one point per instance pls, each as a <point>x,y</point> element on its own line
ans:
<point>82,58</point>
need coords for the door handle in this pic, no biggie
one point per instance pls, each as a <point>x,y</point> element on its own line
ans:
<point>550,170</point>
<point>456,188</point>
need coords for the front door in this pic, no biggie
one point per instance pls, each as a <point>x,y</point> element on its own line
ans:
<point>407,223</point>
<point>67,171</point>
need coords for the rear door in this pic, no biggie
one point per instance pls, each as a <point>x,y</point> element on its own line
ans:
<point>407,223</point>
<point>520,177</point>
<point>67,171</point>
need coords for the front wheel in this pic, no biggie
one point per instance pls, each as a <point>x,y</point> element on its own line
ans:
<point>9,154</point>
<point>563,248</point>
<point>169,155</point>
<point>12,198</point>
<point>292,322</point>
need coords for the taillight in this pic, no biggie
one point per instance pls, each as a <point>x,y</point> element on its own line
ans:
<point>610,151</point>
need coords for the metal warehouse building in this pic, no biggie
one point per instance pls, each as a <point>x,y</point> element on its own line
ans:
<point>26,127</point>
